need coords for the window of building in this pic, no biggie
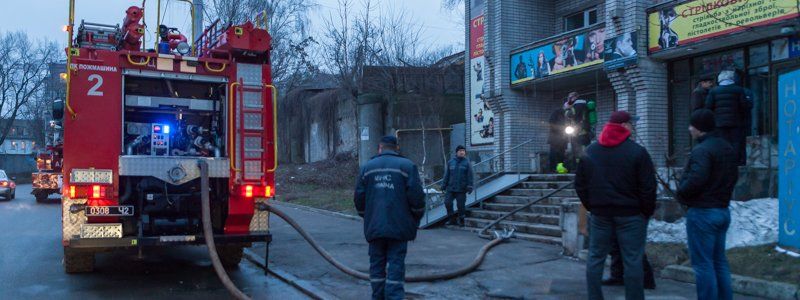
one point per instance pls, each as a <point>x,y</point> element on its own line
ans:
<point>581,19</point>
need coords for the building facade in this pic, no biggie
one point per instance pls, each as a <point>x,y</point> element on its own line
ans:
<point>642,56</point>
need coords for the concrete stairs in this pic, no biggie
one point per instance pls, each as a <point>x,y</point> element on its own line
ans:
<point>541,222</point>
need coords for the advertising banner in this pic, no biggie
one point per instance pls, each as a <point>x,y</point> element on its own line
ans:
<point>620,51</point>
<point>788,171</point>
<point>702,19</point>
<point>571,53</point>
<point>481,117</point>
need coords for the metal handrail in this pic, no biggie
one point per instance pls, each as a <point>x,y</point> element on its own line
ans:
<point>518,209</point>
<point>487,160</point>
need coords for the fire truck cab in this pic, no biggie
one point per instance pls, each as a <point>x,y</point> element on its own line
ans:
<point>137,121</point>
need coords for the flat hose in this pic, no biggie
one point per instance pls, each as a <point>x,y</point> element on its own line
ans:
<point>364,276</point>
<point>208,234</point>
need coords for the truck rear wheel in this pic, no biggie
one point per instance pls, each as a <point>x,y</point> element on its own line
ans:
<point>40,197</point>
<point>78,261</point>
<point>230,255</point>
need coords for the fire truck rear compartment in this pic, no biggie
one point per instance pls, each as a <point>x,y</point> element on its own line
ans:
<point>169,123</point>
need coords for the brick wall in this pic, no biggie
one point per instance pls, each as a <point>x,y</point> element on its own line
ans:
<point>521,113</point>
<point>642,89</point>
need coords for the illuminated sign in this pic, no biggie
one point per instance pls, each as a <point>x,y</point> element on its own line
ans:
<point>564,55</point>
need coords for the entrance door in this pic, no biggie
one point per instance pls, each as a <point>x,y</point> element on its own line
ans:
<point>788,125</point>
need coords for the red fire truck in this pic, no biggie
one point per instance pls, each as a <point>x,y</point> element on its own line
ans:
<point>47,178</point>
<point>136,122</point>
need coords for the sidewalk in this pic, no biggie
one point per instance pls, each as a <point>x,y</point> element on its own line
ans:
<point>513,270</point>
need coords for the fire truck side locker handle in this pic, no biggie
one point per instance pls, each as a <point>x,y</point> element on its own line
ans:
<point>274,126</point>
<point>208,67</point>
<point>231,129</point>
<point>141,63</point>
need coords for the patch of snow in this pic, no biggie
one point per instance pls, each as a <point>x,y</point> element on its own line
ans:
<point>754,222</point>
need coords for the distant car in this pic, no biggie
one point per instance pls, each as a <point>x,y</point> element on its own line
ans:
<point>7,186</point>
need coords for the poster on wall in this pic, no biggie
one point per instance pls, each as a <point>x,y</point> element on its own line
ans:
<point>698,20</point>
<point>571,53</point>
<point>620,51</point>
<point>481,117</point>
<point>788,171</point>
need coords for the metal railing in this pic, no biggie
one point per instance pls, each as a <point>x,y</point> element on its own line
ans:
<point>497,166</point>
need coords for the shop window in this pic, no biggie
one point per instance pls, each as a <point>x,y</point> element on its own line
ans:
<point>714,63</point>
<point>759,55</point>
<point>681,86</point>
<point>758,83</point>
<point>581,19</point>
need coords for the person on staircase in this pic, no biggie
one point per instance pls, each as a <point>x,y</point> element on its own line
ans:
<point>732,106</point>
<point>616,182</point>
<point>457,183</point>
<point>557,139</point>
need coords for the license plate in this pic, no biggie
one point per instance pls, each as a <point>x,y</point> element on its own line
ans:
<point>113,211</point>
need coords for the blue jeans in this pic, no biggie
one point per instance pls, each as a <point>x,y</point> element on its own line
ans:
<point>706,229</point>
<point>387,255</point>
<point>631,233</point>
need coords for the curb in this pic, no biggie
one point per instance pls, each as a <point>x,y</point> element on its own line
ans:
<point>321,211</point>
<point>302,285</point>
<point>741,284</point>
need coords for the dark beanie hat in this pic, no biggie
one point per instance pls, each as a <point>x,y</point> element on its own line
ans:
<point>389,140</point>
<point>703,120</point>
<point>460,147</point>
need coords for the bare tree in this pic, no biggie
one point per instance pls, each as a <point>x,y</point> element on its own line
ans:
<point>23,68</point>
<point>287,24</point>
<point>451,4</point>
<point>348,43</point>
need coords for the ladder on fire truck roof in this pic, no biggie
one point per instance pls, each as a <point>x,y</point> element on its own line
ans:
<point>254,135</point>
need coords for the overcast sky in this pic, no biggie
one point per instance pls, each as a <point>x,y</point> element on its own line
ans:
<point>45,18</point>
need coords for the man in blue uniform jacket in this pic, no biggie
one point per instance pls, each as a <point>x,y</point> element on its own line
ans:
<point>457,184</point>
<point>390,198</point>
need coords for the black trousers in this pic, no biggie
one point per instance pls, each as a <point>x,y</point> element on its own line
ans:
<point>617,268</point>
<point>461,200</point>
<point>556,156</point>
<point>737,137</point>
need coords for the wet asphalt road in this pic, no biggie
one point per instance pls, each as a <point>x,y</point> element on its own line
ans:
<point>31,253</point>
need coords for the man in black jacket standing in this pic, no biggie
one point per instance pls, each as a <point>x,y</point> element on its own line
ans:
<point>390,198</point>
<point>557,138</point>
<point>616,182</point>
<point>457,184</point>
<point>706,187</point>
<point>700,93</point>
<point>732,107</point>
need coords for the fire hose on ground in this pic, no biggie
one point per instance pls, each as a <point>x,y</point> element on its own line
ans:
<point>499,238</point>
<point>208,234</point>
<point>226,281</point>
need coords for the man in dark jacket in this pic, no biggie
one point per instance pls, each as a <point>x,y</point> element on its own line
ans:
<point>576,112</point>
<point>700,93</point>
<point>706,188</point>
<point>557,139</point>
<point>457,184</point>
<point>390,198</point>
<point>732,107</point>
<point>615,181</point>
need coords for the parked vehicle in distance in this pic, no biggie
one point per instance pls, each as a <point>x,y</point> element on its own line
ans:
<point>7,186</point>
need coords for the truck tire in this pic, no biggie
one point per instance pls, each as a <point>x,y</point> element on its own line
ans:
<point>230,255</point>
<point>78,261</point>
<point>41,197</point>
